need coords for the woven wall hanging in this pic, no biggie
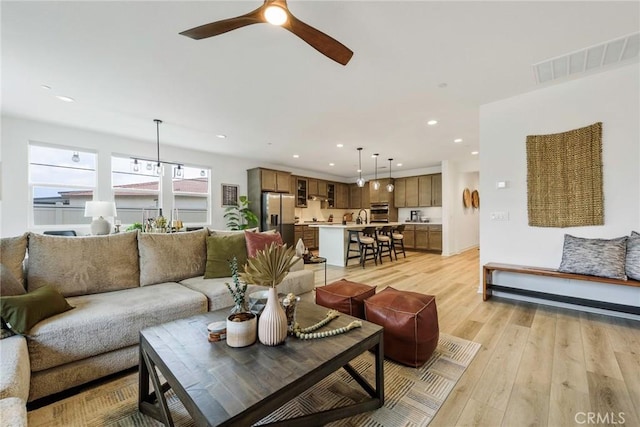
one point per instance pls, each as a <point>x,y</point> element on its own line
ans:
<point>564,178</point>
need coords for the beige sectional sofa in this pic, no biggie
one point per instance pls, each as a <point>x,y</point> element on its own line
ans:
<point>118,285</point>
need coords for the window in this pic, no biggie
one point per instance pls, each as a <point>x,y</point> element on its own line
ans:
<point>136,188</point>
<point>191,194</point>
<point>61,180</point>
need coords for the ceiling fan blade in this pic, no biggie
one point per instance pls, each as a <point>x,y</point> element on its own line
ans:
<point>324,44</point>
<point>220,27</point>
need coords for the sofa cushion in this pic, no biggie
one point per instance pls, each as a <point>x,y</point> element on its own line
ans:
<point>108,321</point>
<point>22,312</point>
<point>12,252</point>
<point>172,257</point>
<point>220,251</point>
<point>633,256</point>
<point>83,265</point>
<point>258,241</point>
<point>298,282</point>
<point>9,284</point>
<point>14,412</point>
<point>15,372</point>
<point>594,257</point>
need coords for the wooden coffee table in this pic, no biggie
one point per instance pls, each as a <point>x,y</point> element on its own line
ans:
<point>224,386</point>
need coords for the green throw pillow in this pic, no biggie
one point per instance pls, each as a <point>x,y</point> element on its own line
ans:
<point>22,312</point>
<point>221,250</point>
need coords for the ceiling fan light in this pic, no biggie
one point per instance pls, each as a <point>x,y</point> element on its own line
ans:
<point>275,15</point>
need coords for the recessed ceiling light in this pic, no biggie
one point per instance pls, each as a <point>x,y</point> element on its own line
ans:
<point>432,122</point>
<point>399,164</point>
<point>339,145</point>
<point>474,152</point>
<point>295,156</point>
<point>457,140</point>
<point>332,164</point>
<point>358,170</point>
<point>65,98</point>
<point>221,136</point>
<point>45,87</point>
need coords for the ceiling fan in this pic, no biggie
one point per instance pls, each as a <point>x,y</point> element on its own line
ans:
<point>276,12</point>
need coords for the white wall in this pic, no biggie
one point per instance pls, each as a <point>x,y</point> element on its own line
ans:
<point>611,97</point>
<point>461,227</point>
<point>17,133</point>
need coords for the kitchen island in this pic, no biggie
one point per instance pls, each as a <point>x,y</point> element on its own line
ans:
<point>333,239</point>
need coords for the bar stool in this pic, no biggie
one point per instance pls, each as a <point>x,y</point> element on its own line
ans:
<point>368,247</point>
<point>385,242</point>
<point>353,238</point>
<point>398,237</point>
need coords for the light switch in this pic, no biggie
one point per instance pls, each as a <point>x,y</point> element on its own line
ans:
<point>499,216</point>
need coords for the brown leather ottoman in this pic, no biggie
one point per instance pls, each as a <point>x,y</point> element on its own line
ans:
<point>345,296</point>
<point>410,322</point>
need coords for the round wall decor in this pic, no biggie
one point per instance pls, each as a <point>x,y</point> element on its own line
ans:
<point>466,198</point>
<point>475,199</point>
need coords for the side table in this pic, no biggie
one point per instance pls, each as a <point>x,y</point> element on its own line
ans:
<point>318,260</point>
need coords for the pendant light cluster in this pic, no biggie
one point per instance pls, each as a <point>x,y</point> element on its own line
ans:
<point>159,169</point>
<point>376,184</point>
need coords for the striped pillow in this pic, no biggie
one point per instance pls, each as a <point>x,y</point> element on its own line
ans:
<point>594,257</point>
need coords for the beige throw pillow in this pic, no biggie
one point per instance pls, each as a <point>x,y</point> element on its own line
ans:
<point>172,257</point>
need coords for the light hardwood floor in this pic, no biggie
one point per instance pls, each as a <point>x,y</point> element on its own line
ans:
<point>538,365</point>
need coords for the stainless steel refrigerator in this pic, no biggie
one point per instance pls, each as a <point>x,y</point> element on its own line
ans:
<point>278,212</point>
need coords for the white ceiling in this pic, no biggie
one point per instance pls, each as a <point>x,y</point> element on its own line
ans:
<point>275,96</point>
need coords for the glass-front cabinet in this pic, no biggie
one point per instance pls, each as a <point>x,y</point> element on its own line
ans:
<point>302,186</point>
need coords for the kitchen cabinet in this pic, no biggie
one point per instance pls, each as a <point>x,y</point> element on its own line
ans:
<point>355,196</point>
<point>418,191</point>
<point>380,195</point>
<point>411,192</point>
<point>436,189</point>
<point>342,196</point>
<point>424,190</point>
<point>313,186</point>
<point>422,237</point>
<point>272,180</point>
<point>426,237</point>
<point>430,190</point>
<point>331,196</point>
<point>399,193</point>
<point>301,192</point>
<point>309,235</point>
<point>409,237</point>
<point>435,238</point>
<point>322,189</point>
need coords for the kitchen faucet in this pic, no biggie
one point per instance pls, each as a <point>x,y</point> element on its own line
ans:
<point>365,214</point>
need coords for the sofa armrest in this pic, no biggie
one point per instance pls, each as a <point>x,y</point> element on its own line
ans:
<point>15,369</point>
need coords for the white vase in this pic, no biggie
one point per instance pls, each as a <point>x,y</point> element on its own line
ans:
<point>272,326</point>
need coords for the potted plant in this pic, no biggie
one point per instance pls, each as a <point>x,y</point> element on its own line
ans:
<point>240,217</point>
<point>269,268</point>
<point>241,324</point>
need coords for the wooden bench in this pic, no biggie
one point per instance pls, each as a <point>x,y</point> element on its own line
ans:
<point>488,286</point>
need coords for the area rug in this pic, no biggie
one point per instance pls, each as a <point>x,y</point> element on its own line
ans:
<point>412,396</point>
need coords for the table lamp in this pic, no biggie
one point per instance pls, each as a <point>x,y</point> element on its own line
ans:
<point>98,210</point>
